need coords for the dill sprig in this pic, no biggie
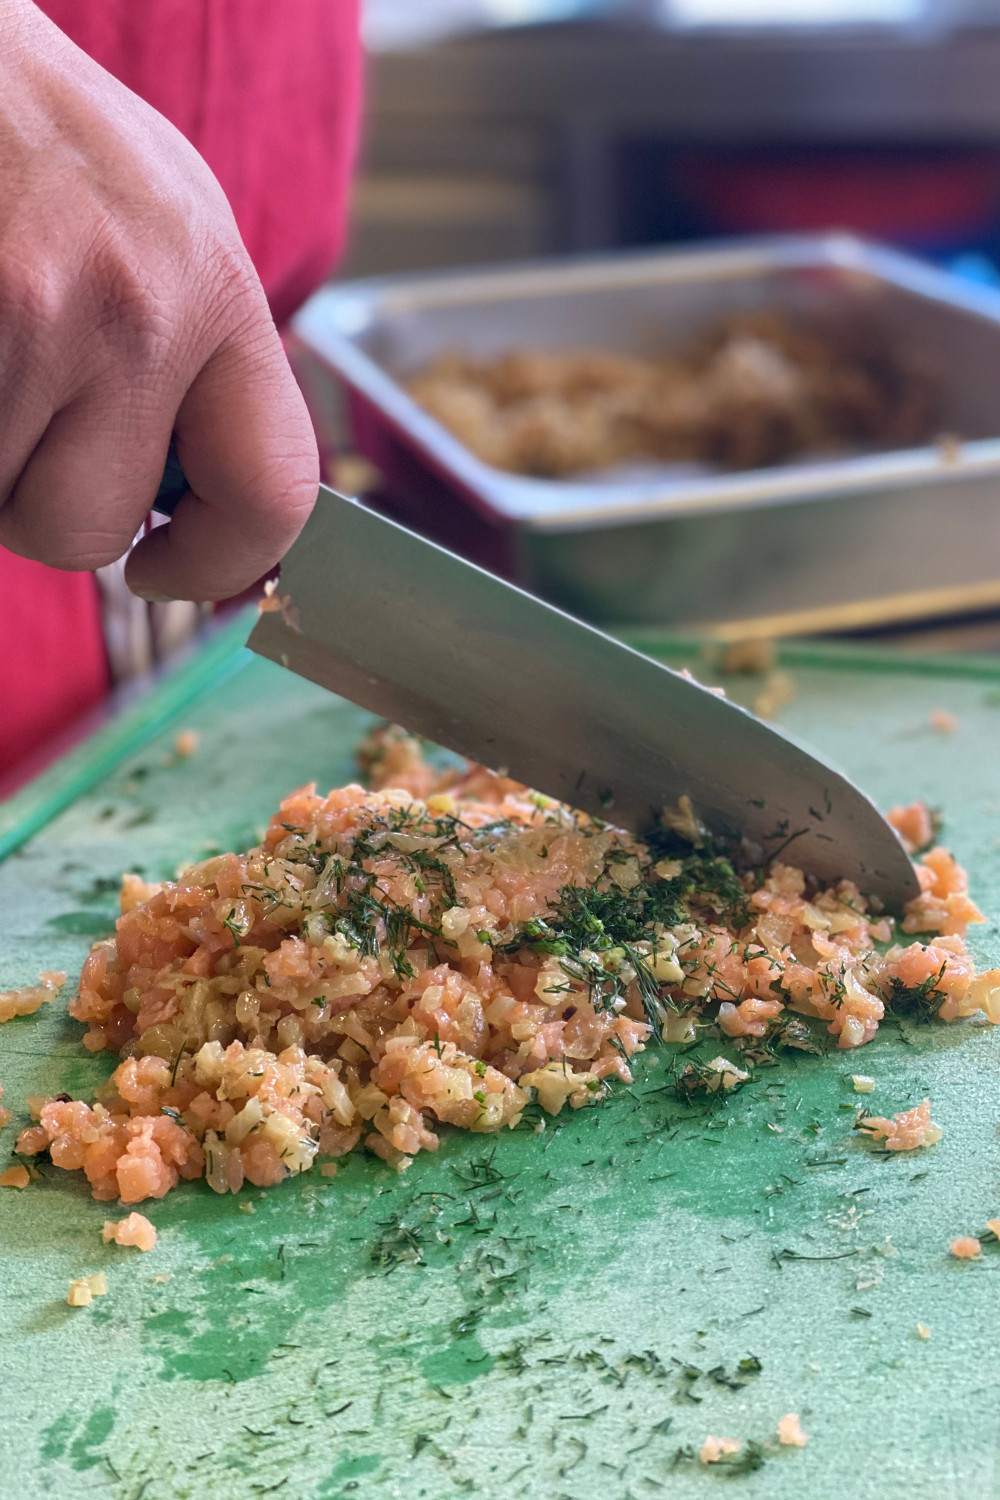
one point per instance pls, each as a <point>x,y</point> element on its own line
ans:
<point>783,1031</point>
<point>747,1460</point>
<point>923,999</point>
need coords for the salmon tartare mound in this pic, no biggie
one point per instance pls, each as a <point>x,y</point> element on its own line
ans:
<point>444,949</point>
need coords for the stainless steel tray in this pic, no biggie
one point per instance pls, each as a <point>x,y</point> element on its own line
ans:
<point>805,546</point>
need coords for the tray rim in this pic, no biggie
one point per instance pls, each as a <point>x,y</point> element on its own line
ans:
<point>331,320</point>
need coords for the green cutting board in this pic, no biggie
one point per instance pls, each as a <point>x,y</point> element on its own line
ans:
<point>542,1315</point>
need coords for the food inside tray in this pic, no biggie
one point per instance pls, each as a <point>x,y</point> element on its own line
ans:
<point>752,390</point>
<point>457,950</point>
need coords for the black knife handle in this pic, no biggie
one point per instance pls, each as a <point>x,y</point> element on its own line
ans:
<point>173,484</point>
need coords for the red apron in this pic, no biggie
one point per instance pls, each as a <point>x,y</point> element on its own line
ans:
<point>268,92</point>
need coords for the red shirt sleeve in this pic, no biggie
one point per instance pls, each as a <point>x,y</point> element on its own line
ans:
<point>52,660</point>
<point>269,93</point>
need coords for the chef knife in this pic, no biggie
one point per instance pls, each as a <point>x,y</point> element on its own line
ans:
<point>413,633</point>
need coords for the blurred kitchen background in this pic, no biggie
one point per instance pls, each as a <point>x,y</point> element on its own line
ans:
<point>504,130</point>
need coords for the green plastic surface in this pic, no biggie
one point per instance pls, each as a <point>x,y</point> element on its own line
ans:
<point>519,1315</point>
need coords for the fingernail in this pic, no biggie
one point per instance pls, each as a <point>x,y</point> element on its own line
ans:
<point>151,596</point>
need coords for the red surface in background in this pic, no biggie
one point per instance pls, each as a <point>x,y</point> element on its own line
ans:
<point>268,91</point>
<point>938,196</point>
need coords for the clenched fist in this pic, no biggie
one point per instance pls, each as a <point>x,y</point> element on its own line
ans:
<point>129,310</point>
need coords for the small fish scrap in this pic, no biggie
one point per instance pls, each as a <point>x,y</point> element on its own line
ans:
<point>968,1247</point>
<point>83,1291</point>
<point>273,603</point>
<point>907,1131</point>
<point>790,1431</point>
<point>135,1230</point>
<point>714,1448</point>
<point>186,742</point>
<point>26,1001</point>
<point>5,1115</point>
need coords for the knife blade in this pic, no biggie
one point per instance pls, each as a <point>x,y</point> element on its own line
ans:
<point>413,633</point>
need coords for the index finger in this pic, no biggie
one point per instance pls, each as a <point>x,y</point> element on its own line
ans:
<point>246,444</point>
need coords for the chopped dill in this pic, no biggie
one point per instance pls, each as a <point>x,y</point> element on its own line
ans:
<point>747,1460</point>
<point>922,1000</point>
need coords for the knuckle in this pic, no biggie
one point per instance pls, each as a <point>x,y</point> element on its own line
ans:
<point>32,291</point>
<point>234,305</point>
<point>160,302</point>
<point>136,314</point>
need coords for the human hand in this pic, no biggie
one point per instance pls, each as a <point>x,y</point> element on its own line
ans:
<point>129,309</point>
